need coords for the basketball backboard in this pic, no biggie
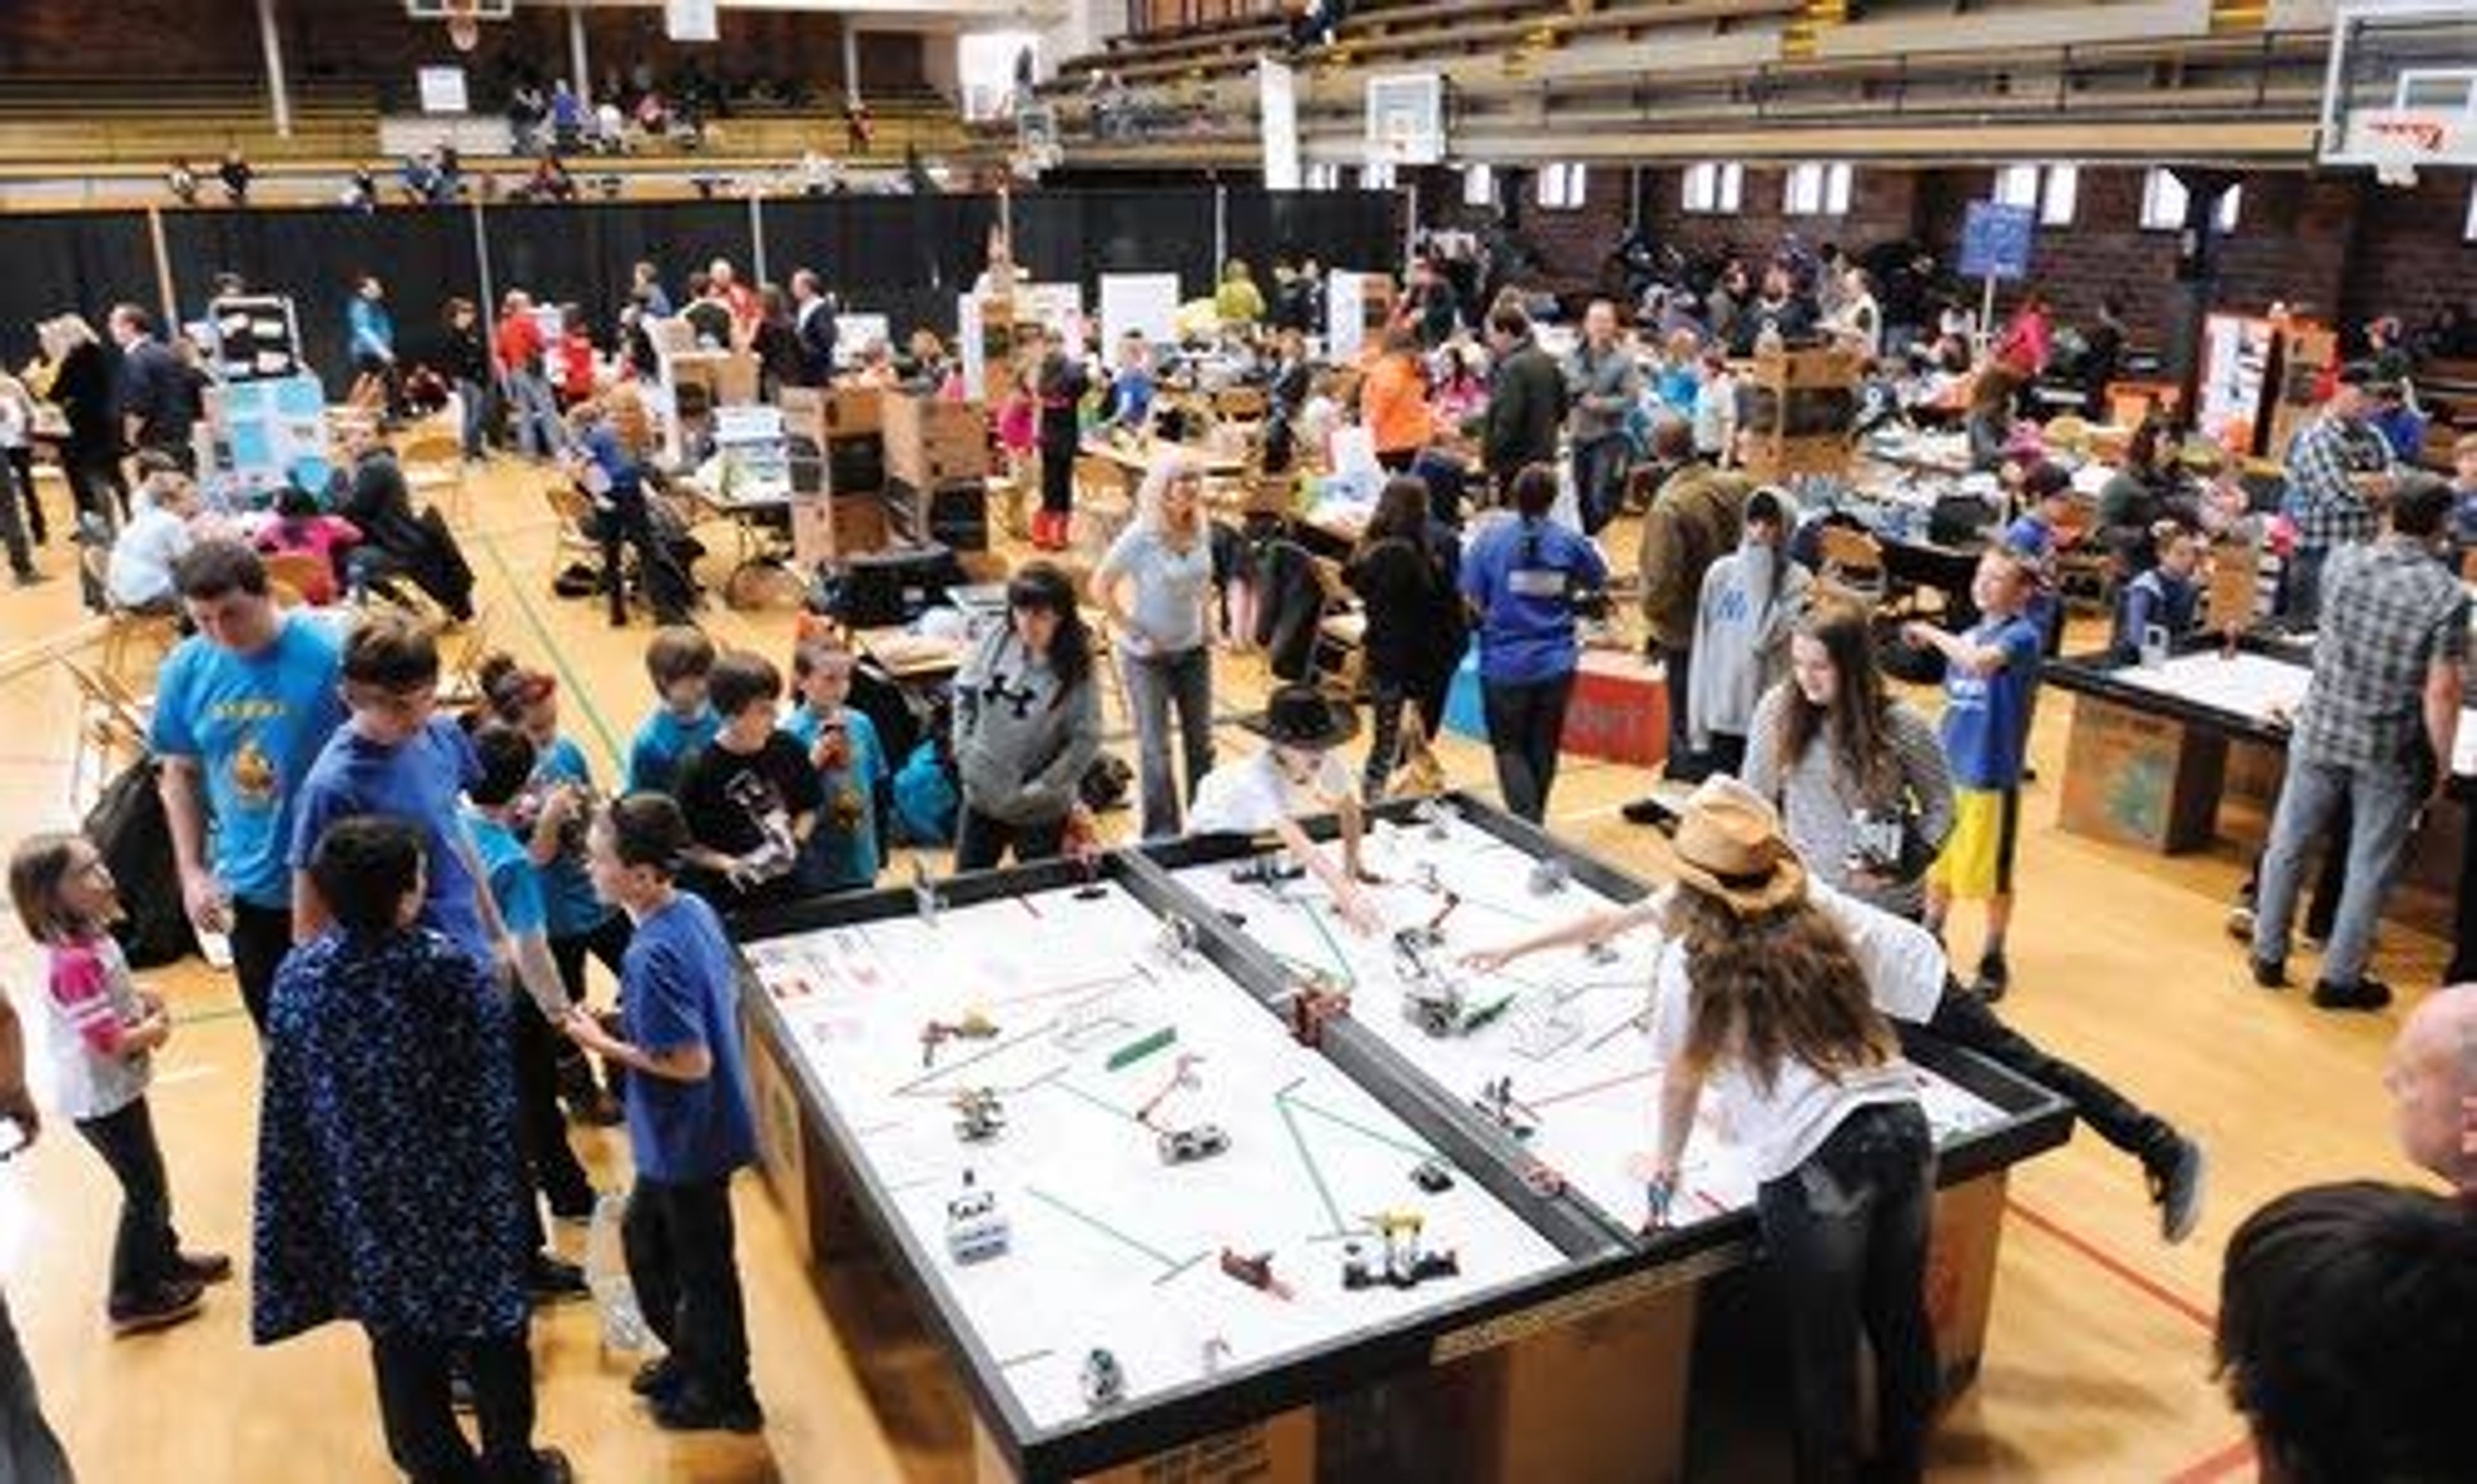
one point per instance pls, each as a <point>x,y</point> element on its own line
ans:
<point>2401,91</point>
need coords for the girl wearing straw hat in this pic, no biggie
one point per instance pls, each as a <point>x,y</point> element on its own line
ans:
<point>1296,775</point>
<point>1772,993</point>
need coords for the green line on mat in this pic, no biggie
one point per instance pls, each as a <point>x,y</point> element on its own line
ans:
<point>1102,1226</point>
<point>1143,1046</point>
<point>1103,1103</point>
<point>557,656</point>
<point>1306,1160</point>
<point>1362,1130</point>
<point>1340,959</point>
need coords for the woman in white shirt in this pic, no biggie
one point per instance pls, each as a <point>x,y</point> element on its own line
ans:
<point>1772,993</point>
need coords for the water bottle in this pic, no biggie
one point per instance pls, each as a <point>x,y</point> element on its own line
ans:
<point>606,1273</point>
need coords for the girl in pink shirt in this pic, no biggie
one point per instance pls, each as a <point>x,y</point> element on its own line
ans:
<point>301,525</point>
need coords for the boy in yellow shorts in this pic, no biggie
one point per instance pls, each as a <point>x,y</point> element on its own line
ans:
<point>1989,686</point>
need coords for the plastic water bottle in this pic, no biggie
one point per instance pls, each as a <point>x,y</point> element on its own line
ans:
<point>606,1273</point>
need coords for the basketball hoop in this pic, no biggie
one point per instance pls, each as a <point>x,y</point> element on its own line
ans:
<point>2401,141</point>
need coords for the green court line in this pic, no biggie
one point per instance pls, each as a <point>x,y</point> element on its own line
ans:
<point>1103,1103</point>
<point>1340,959</point>
<point>1169,1262</point>
<point>568,676</point>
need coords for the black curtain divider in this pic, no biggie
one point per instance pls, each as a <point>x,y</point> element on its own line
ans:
<point>1075,237</point>
<point>70,261</point>
<point>422,258</point>
<point>585,253</point>
<point>1343,228</point>
<point>906,257</point>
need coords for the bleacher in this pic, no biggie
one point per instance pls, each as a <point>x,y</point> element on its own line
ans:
<point>113,121</point>
<point>1601,70</point>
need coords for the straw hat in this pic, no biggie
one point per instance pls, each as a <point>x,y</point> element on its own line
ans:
<point>1729,845</point>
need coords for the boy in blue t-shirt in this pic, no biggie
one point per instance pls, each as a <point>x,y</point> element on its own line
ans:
<point>688,1119</point>
<point>841,852</point>
<point>2167,596</point>
<point>1989,686</point>
<point>396,756</point>
<point>2047,492</point>
<point>507,765</point>
<point>677,660</point>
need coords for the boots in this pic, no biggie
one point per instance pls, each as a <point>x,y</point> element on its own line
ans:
<point>1049,530</point>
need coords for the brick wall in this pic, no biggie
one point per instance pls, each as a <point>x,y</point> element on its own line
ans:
<point>2329,245</point>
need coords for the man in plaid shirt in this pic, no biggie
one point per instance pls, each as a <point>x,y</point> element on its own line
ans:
<point>2338,466</point>
<point>2375,734</point>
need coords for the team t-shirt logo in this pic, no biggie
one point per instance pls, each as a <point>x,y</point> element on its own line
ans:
<point>253,779</point>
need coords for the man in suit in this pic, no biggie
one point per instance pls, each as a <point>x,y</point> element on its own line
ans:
<point>813,324</point>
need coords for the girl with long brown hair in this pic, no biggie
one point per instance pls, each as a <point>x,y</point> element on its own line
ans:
<point>1405,570</point>
<point>1772,993</point>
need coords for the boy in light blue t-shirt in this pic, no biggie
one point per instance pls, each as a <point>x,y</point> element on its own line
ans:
<point>841,852</point>
<point>678,661</point>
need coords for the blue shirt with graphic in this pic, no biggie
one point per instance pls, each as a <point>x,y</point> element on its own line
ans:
<point>662,744</point>
<point>515,882</point>
<point>568,902</point>
<point>843,850</point>
<point>254,723</point>
<point>1987,718</point>
<point>677,989</point>
<point>1522,576</point>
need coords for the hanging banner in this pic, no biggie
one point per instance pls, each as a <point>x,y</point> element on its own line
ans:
<point>1277,105</point>
<point>690,20</point>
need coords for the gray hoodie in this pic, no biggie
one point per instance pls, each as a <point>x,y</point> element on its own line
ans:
<point>1741,632</point>
<point>1019,750</point>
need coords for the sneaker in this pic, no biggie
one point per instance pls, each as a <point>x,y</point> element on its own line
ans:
<point>170,1303</point>
<point>551,1467</point>
<point>2176,1188</point>
<point>1994,978</point>
<point>555,1280</point>
<point>1645,810</point>
<point>2268,972</point>
<point>657,1377</point>
<point>687,1410</point>
<point>2366,993</point>
<point>2240,922</point>
<point>205,1267</point>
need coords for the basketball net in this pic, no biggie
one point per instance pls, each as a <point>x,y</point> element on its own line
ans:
<point>2400,142</point>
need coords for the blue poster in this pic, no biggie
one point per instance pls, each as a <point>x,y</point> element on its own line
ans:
<point>1995,240</point>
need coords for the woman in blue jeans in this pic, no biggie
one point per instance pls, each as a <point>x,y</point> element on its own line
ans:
<point>1155,585</point>
<point>1523,578</point>
<point>1773,993</point>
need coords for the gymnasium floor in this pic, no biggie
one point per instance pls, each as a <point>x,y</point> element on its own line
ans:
<point>2097,1365</point>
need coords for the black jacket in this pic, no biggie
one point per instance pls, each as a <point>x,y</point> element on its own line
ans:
<point>84,389</point>
<point>816,339</point>
<point>1415,623</point>
<point>1526,406</point>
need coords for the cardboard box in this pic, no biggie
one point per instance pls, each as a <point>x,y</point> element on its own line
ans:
<point>821,412</point>
<point>931,443</point>
<point>2136,778</point>
<point>834,528</point>
<point>955,514</point>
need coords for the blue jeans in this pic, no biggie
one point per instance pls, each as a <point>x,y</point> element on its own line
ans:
<point>1845,1242</point>
<point>539,430</point>
<point>475,399</point>
<point>1599,470</point>
<point>2383,805</point>
<point>28,1452</point>
<point>1154,685</point>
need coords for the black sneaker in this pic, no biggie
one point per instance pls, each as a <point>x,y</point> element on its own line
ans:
<point>552,1280</point>
<point>1645,810</point>
<point>203,1267</point>
<point>171,1302</point>
<point>657,1377</point>
<point>1994,978</point>
<point>2366,993</point>
<point>687,1410</point>
<point>2176,1187</point>
<point>2268,972</point>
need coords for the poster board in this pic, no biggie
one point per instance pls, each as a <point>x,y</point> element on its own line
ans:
<point>442,90</point>
<point>1345,315</point>
<point>1146,302</point>
<point>1277,110</point>
<point>855,334</point>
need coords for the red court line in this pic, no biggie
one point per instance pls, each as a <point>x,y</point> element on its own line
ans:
<point>2220,1465</point>
<point>2114,1265</point>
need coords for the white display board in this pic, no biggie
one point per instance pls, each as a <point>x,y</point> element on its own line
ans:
<point>2259,687</point>
<point>1345,315</point>
<point>855,334</point>
<point>692,21</point>
<point>1571,1029</point>
<point>1145,301</point>
<point>442,90</point>
<point>1084,1007</point>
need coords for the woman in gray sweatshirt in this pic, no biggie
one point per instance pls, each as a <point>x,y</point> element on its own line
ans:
<point>1026,724</point>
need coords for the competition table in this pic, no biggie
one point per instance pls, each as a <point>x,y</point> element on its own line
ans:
<point>2154,749</point>
<point>1152,1000</point>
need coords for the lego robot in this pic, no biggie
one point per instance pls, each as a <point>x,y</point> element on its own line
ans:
<point>1403,1262</point>
<point>975,1231</point>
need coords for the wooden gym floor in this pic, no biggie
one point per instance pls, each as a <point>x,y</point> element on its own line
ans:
<point>2097,1366</point>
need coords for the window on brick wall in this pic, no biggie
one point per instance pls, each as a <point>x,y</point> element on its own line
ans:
<point>2468,227</point>
<point>1815,190</point>
<point>1376,175</point>
<point>2052,191</point>
<point>2163,200</point>
<point>1479,186</point>
<point>1561,187</point>
<point>1713,187</point>
<point>1321,176</point>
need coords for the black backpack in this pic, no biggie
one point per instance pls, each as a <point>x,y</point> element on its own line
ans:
<point>130,829</point>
